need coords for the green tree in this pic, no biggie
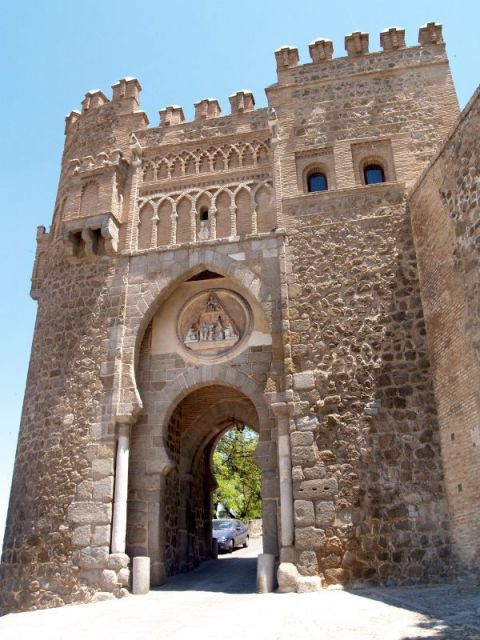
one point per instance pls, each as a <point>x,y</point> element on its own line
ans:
<point>238,477</point>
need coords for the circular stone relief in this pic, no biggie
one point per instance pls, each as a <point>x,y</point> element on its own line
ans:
<point>213,322</point>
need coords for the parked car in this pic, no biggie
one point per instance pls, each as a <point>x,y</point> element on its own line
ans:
<point>230,533</point>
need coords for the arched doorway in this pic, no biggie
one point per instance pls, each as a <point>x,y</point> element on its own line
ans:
<point>193,386</point>
<point>170,515</point>
<point>196,424</point>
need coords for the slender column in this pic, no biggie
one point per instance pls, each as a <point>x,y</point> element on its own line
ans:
<point>193,224</point>
<point>119,527</point>
<point>155,220</point>
<point>285,477</point>
<point>136,182</point>
<point>254,219</point>
<point>173,224</point>
<point>212,215</point>
<point>233,220</point>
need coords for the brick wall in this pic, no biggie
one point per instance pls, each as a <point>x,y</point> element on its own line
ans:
<point>445,217</point>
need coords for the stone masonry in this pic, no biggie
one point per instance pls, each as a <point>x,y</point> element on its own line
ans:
<point>193,279</point>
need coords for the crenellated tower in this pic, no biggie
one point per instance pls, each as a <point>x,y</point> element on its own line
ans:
<point>252,268</point>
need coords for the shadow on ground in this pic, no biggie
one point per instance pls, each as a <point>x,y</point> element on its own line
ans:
<point>232,575</point>
<point>452,611</point>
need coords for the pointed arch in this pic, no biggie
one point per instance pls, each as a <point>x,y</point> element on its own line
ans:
<point>190,165</point>
<point>148,171</point>
<point>203,206</point>
<point>244,211</point>
<point>184,219</point>
<point>219,161</point>
<point>262,154</point>
<point>265,208</point>
<point>176,168</point>
<point>204,162</point>
<point>223,205</point>
<point>164,229</point>
<point>145,226</point>
<point>162,170</point>
<point>233,160</point>
<point>248,156</point>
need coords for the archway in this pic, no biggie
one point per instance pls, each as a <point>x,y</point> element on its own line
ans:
<point>191,392</point>
<point>170,515</point>
<point>194,428</point>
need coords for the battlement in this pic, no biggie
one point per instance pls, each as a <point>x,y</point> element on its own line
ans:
<point>125,101</point>
<point>394,54</point>
<point>392,41</point>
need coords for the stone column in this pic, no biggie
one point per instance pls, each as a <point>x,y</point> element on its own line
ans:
<point>173,229</point>
<point>285,477</point>
<point>212,214</point>
<point>193,224</point>
<point>136,183</point>
<point>233,220</point>
<point>154,240</point>
<point>254,219</point>
<point>119,527</point>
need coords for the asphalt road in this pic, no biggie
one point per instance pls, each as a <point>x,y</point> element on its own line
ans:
<point>219,600</point>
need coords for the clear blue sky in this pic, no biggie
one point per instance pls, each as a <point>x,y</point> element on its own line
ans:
<point>52,52</point>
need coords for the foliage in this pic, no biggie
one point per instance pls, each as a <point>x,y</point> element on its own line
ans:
<point>238,477</point>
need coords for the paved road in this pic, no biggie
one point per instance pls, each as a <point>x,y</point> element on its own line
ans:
<point>218,600</point>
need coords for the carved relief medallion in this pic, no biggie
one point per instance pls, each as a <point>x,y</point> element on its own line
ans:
<point>213,322</point>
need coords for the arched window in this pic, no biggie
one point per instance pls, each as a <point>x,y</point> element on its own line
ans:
<point>204,214</point>
<point>373,174</point>
<point>317,182</point>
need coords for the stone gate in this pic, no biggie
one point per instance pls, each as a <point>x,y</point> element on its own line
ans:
<point>259,267</point>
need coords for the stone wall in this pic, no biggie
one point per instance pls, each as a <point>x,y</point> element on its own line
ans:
<point>368,489</point>
<point>61,497</point>
<point>445,215</point>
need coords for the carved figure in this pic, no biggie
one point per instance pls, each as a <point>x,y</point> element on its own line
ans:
<point>219,335</point>
<point>191,335</point>
<point>203,331</point>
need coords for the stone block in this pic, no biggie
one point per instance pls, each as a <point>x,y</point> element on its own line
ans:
<point>117,561</point>
<point>301,438</point>
<point>81,536</point>
<point>85,490</point>
<point>321,489</point>
<point>308,584</point>
<point>102,467</point>
<point>297,474</point>
<point>89,513</point>
<point>93,557</point>
<point>302,456</point>
<point>308,563</point>
<point>304,513</point>
<point>307,423</point>
<point>124,577</point>
<point>316,472</point>
<point>324,514</point>
<point>309,539</point>
<point>287,575</point>
<point>304,381</point>
<point>103,489</point>
<point>101,536</point>
<point>109,580</point>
